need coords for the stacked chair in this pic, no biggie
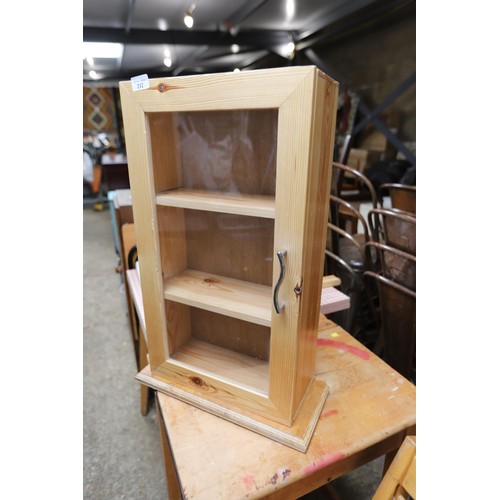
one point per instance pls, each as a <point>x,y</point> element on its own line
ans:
<point>402,197</point>
<point>391,279</point>
<point>348,234</point>
<point>375,258</point>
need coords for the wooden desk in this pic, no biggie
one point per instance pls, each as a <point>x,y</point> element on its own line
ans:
<point>368,413</point>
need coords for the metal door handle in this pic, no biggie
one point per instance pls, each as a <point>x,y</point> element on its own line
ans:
<point>281,254</point>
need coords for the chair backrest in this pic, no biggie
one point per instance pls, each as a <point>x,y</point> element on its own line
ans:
<point>394,228</point>
<point>398,321</point>
<point>346,147</point>
<point>402,197</point>
<point>347,247</point>
<point>350,284</point>
<point>400,479</point>
<point>392,263</point>
<point>339,172</point>
<point>345,214</point>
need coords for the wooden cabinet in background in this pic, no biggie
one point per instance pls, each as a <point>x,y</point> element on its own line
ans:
<point>230,177</point>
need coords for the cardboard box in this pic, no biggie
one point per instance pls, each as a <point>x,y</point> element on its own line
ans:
<point>360,159</point>
<point>376,141</point>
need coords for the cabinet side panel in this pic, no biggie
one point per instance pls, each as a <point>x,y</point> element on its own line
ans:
<point>144,209</point>
<point>165,150</point>
<point>321,156</point>
<point>172,238</point>
<point>178,324</point>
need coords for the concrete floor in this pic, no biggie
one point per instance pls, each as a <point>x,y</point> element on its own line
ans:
<point>122,456</point>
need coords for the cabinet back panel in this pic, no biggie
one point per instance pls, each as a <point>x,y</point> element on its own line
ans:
<point>229,151</point>
<point>231,333</point>
<point>230,245</point>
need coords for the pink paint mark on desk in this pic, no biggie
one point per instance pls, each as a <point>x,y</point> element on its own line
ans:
<point>249,482</point>
<point>329,413</point>
<point>342,346</point>
<point>320,464</point>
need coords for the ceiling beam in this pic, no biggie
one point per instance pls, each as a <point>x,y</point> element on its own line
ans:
<point>128,22</point>
<point>352,23</point>
<point>332,16</point>
<point>256,38</point>
<point>236,18</point>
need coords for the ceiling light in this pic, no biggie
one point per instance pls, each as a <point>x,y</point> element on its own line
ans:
<point>188,17</point>
<point>162,24</point>
<point>290,9</point>
<point>90,60</point>
<point>99,50</point>
<point>236,70</point>
<point>290,50</point>
<point>188,20</point>
<point>93,74</point>
<point>235,48</point>
<point>167,61</point>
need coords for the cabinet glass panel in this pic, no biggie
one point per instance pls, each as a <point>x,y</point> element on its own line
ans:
<point>215,201</point>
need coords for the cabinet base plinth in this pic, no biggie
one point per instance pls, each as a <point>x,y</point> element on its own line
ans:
<point>296,436</point>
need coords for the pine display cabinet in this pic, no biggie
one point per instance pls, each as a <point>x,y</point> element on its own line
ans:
<point>230,175</point>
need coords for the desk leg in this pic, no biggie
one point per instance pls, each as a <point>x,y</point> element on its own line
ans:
<point>173,487</point>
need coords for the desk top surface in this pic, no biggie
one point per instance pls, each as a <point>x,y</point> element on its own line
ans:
<point>368,403</point>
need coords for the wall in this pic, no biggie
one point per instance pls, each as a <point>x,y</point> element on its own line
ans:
<point>374,62</point>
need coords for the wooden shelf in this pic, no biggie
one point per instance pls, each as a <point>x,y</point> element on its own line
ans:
<point>214,201</point>
<point>224,364</point>
<point>236,298</point>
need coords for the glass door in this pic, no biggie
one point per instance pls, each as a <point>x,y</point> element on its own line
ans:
<point>215,209</point>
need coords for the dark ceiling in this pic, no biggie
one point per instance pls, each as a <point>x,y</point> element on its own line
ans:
<point>226,35</point>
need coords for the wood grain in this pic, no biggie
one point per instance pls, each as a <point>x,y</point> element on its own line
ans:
<point>401,473</point>
<point>232,203</point>
<point>142,186</point>
<point>369,409</point>
<point>257,89</point>
<point>231,333</point>
<point>235,298</point>
<point>330,280</point>
<point>224,364</point>
<point>235,246</point>
<point>297,436</point>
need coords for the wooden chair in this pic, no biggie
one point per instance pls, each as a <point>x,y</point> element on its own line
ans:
<point>400,480</point>
<point>396,229</point>
<point>402,197</point>
<point>398,324</point>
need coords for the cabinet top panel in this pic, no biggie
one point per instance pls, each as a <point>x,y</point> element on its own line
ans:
<point>257,89</point>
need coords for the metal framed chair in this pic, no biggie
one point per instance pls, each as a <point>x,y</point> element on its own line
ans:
<point>392,263</point>
<point>394,228</point>
<point>398,324</point>
<point>402,197</point>
<point>351,284</point>
<point>341,173</point>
